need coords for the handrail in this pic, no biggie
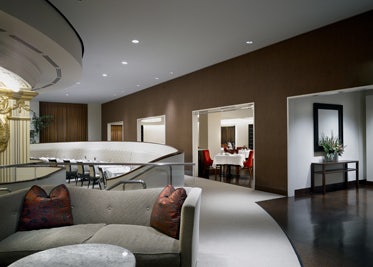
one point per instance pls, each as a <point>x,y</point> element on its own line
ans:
<point>124,182</point>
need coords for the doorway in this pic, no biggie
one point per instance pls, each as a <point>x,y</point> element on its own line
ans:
<point>209,125</point>
<point>115,131</point>
<point>152,129</point>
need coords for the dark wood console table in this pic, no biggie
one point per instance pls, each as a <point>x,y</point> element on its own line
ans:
<point>328,167</point>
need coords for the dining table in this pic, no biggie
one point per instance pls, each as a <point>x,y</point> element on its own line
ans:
<point>111,170</point>
<point>227,160</point>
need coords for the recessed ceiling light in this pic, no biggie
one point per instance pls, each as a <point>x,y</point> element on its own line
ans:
<point>138,85</point>
<point>156,78</point>
<point>124,62</point>
<point>171,72</point>
<point>249,42</point>
<point>104,75</point>
<point>135,41</point>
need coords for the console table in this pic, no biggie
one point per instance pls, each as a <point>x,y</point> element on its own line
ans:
<point>329,167</point>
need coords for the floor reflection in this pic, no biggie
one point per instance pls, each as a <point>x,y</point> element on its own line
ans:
<point>335,229</point>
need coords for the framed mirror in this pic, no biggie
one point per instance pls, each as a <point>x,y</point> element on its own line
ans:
<point>327,121</point>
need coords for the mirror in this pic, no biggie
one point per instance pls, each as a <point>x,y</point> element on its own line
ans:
<point>327,121</point>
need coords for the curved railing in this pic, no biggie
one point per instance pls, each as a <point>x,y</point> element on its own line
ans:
<point>143,174</point>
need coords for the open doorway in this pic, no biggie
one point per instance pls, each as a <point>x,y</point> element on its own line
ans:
<point>152,129</point>
<point>220,129</point>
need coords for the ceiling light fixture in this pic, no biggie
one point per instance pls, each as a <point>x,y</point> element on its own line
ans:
<point>249,42</point>
<point>124,62</point>
<point>135,41</point>
<point>104,75</point>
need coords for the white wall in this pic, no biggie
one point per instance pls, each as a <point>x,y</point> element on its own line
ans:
<point>300,137</point>
<point>155,133</point>
<point>369,136</point>
<point>214,133</point>
<point>94,122</point>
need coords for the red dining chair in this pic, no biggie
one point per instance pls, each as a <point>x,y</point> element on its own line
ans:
<point>249,163</point>
<point>207,163</point>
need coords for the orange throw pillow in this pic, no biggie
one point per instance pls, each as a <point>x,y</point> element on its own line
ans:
<point>166,211</point>
<point>42,211</point>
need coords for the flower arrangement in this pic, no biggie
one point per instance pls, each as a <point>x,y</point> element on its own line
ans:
<point>332,146</point>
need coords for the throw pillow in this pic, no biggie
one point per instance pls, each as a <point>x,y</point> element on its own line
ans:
<point>42,211</point>
<point>166,211</point>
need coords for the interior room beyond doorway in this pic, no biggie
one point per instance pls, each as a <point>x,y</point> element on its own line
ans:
<point>225,130</point>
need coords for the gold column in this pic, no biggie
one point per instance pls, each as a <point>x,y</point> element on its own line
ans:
<point>14,129</point>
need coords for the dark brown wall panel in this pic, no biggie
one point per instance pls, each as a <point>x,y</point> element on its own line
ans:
<point>334,57</point>
<point>69,123</point>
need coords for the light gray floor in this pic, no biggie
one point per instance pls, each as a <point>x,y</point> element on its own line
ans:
<point>235,231</point>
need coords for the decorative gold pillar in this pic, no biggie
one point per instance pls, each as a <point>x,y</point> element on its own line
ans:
<point>14,129</point>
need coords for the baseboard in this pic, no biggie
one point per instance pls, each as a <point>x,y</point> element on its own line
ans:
<point>330,187</point>
<point>270,190</point>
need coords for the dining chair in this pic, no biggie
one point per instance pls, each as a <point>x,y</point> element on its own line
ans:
<point>70,174</point>
<point>94,177</point>
<point>249,163</point>
<point>54,161</point>
<point>83,175</point>
<point>207,164</point>
<point>103,175</point>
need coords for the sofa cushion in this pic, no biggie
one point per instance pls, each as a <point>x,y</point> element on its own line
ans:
<point>166,211</point>
<point>23,243</point>
<point>146,243</point>
<point>42,211</point>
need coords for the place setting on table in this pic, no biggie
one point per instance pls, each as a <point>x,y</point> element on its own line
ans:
<point>111,170</point>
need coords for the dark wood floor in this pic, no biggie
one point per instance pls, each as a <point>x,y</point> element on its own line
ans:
<point>335,229</point>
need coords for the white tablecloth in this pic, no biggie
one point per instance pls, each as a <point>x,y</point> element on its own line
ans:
<point>114,170</point>
<point>229,159</point>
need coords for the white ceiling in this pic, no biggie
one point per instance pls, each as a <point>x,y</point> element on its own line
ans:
<point>178,37</point>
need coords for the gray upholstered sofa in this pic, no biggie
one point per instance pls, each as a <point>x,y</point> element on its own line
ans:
<point>114,217</point>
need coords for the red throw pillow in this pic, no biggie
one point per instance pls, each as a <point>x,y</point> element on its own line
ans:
<point>166,211</point>
<point>42,211</point>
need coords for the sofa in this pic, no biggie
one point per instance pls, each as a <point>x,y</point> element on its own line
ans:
<point>112,217</point>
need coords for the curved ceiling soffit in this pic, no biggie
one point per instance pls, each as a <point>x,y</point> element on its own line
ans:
<point>35,56</point>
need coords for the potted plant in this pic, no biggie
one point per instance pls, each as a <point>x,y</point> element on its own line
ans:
<point>37,124</point>
<point>332,147</point>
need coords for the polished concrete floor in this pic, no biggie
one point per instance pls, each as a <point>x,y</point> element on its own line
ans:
<point>335,229</point>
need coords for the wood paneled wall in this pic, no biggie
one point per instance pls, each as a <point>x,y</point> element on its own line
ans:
<point>330,58</point>
<point>69,123</point>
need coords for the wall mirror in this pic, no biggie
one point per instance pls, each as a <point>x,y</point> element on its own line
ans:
<point>327,121</point>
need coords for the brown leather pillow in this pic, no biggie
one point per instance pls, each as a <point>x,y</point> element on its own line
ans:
<point>42,211</point>
<point>166,211</point>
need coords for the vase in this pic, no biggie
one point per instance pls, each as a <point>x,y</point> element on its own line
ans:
<point>331,157</point>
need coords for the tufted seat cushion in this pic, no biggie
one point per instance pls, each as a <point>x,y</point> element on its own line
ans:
<point>23,243</point>
<point>145,242</point>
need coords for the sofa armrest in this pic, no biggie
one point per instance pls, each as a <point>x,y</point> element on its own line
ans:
<point>189,228</point>
<point>10,207</point>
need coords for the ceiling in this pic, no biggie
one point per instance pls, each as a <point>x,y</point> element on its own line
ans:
<point>178,37</point>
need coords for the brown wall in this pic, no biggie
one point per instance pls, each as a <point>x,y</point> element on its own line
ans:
<point>334,57</point>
